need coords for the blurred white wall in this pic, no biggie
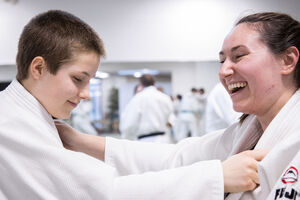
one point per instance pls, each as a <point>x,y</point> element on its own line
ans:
<point>7,72</point>
<point>181,37</point>
<point>184,75</point>
<point>144,30</point>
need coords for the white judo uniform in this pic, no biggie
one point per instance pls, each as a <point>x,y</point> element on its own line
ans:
<point>187,121</point>
<point>34,164</point>
<point>278,171</point>
<point>147,112</point>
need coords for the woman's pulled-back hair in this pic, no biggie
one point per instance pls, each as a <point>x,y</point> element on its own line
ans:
<point>279,32</point>
<point>56,36</point>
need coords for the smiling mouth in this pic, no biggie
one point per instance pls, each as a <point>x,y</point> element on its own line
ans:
<point>235,87</point>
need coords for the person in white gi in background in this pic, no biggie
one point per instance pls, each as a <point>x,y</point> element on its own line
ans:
<point>202,97</point>
<point>57,56</point>
<point>187,121</point>
<point>219,112</point>
<point>261,72</point>
<point>176,103</point>
<point>146,116</point>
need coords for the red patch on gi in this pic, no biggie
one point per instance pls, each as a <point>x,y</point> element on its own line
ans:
<point>290,175</point>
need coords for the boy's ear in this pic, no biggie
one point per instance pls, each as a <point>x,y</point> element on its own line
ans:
<point>290,59</point>
<point>37,67</point>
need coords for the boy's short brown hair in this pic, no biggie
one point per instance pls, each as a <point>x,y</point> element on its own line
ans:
<point>56,36</point>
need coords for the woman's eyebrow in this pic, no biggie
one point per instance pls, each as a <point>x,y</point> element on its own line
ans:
<point>221,53</point>
<point>236,48</point>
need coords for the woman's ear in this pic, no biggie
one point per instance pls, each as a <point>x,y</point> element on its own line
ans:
<point>290,59</point>
<point>37,67</point>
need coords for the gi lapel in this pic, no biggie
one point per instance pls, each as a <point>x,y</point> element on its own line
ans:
<point>278,135</point>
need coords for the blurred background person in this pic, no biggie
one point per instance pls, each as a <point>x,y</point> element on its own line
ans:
<point>173,119</point>
<point>176,103</point>
<point>160,89</point>
<point>137,89</point>
<point>81,117</point>
<point>146,116</point>
<point>187,121</point>
<point>200,115</point>
<point>219,113</point>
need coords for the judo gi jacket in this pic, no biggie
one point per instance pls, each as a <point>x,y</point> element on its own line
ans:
<point>34,164</point>
<point>147,112</point>
<point>278,171</point>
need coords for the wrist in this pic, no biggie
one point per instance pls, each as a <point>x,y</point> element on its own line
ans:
<point>79,142</point>
<point>91,145</point>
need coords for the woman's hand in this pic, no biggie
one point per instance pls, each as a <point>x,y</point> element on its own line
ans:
<point>240,171</point>
<point>77,141</point>
<point>69,136</point>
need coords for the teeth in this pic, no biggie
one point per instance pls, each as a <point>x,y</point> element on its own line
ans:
<point>236,85</point>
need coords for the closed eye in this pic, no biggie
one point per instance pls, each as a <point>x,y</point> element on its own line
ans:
<point>238,57</point>
<point>77,79</point>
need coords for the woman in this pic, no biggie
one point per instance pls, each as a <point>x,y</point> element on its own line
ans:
<point>261,72</point>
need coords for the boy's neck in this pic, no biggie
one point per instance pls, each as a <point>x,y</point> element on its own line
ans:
<point>28,85</point>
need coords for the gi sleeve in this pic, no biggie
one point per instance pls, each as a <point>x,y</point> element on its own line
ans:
<point>201,180</point>
<point>132,157</point>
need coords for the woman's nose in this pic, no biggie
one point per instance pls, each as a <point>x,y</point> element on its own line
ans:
<point>226,69</point>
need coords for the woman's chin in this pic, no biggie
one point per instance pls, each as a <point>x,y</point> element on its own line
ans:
<point>239,108</point>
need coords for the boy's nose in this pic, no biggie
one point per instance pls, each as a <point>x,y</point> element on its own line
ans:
<point>85,93</point>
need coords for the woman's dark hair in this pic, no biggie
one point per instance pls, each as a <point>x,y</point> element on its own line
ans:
<point>279,32</point>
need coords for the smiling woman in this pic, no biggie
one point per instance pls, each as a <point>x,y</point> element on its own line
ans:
<point>247,61</point>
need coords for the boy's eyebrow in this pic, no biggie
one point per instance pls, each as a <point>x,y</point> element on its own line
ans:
<point>86,74</point>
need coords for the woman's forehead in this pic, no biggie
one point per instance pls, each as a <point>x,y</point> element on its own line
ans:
<point>241,35</point>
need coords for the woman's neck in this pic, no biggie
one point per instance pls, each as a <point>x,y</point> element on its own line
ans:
<point>266,118</point>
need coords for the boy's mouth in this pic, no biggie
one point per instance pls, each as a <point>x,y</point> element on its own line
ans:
<point>73,104</point>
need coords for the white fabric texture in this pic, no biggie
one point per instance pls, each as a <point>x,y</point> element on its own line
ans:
<point>34,165</point>
<point>147,112</point>
<point>281,138</point>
